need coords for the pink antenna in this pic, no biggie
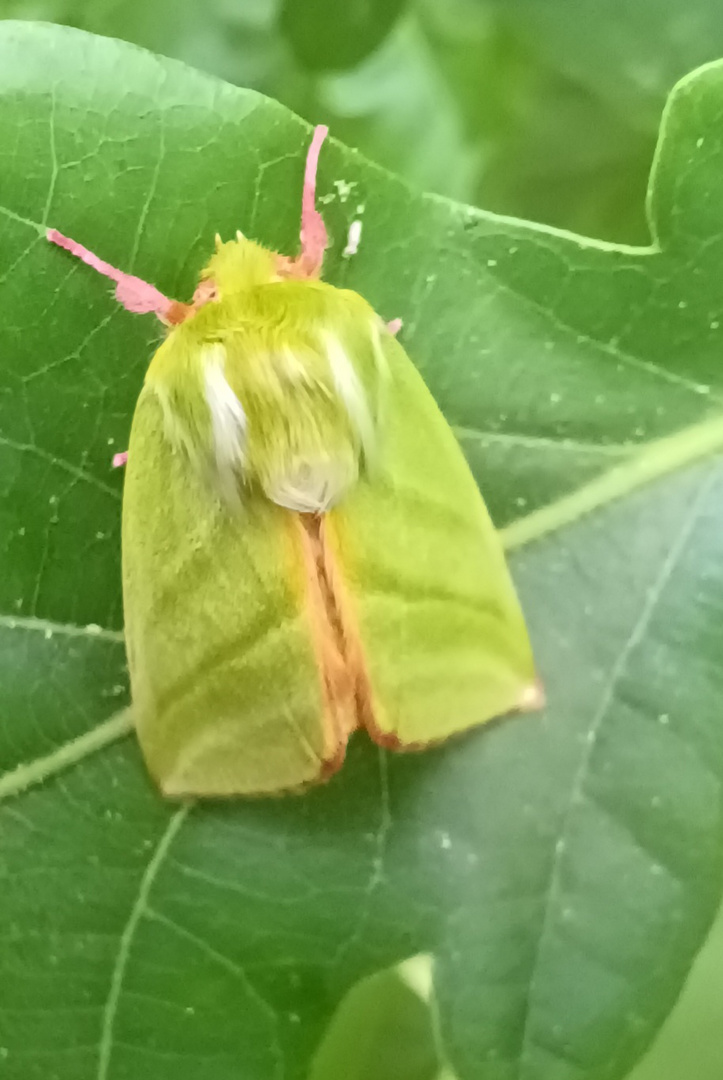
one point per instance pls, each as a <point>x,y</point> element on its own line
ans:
<point>134,294</point>
<point>314,237</point>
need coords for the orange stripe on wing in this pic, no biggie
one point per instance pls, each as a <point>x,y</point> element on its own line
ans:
<point>347,687</point>
<point>330,637</point>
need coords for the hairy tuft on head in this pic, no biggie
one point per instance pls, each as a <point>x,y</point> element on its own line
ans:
<point>238,265</point>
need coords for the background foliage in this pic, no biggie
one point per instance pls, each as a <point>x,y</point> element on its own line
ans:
<point>547,111</point>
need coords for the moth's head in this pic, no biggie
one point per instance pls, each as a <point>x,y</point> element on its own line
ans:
<point>235,266</point>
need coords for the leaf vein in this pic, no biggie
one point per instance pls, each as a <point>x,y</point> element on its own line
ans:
<point>34,772</point>
<point>636,635</point>
<point>60,463</point>
<point>541,442</point>
<point>137,912</point>
<point>50,628</point>
<point>377,876</point>
<point>53,158</point>
<point>235,969</point>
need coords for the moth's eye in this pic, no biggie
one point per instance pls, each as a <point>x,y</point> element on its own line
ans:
<point>206,292</point>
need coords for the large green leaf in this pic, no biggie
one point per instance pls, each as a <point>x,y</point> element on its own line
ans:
<point>630,53</point>
<point>565,98</point>
<point>329,37</point>
<point>562,870</point>
<point>691,1041</point>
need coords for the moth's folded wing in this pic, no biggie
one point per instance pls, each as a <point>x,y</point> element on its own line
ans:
<point>427,587</point>
<point>226,688</point>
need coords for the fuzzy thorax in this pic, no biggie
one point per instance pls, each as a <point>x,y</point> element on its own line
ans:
<point>274,384</point>
<point>236,266</point>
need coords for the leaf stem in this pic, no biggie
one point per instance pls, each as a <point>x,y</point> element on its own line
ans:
<point>34,772</point>
<point>655,460</point>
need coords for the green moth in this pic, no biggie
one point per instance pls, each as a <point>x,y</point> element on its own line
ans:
<point>305,551</point>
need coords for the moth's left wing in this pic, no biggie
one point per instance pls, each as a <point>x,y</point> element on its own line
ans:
<point>223,632</point>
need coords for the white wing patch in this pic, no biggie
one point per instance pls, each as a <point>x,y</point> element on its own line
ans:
<point>351,392</point>
<point>313,487</point>
<point>228,419</point>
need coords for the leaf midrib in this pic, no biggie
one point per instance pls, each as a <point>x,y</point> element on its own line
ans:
<point>635,636</point>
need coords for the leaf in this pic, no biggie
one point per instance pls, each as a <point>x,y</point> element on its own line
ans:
<point>565,99</point>
<point>630,54</point>
<point>563,870</point>
<point>327,36</point>
<point>382,1030</point>
<point>690,1043</point>
<point>397,106</point>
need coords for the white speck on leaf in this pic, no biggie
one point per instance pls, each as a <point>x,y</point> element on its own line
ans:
<point>353,239</point>
<point>344,188</point>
